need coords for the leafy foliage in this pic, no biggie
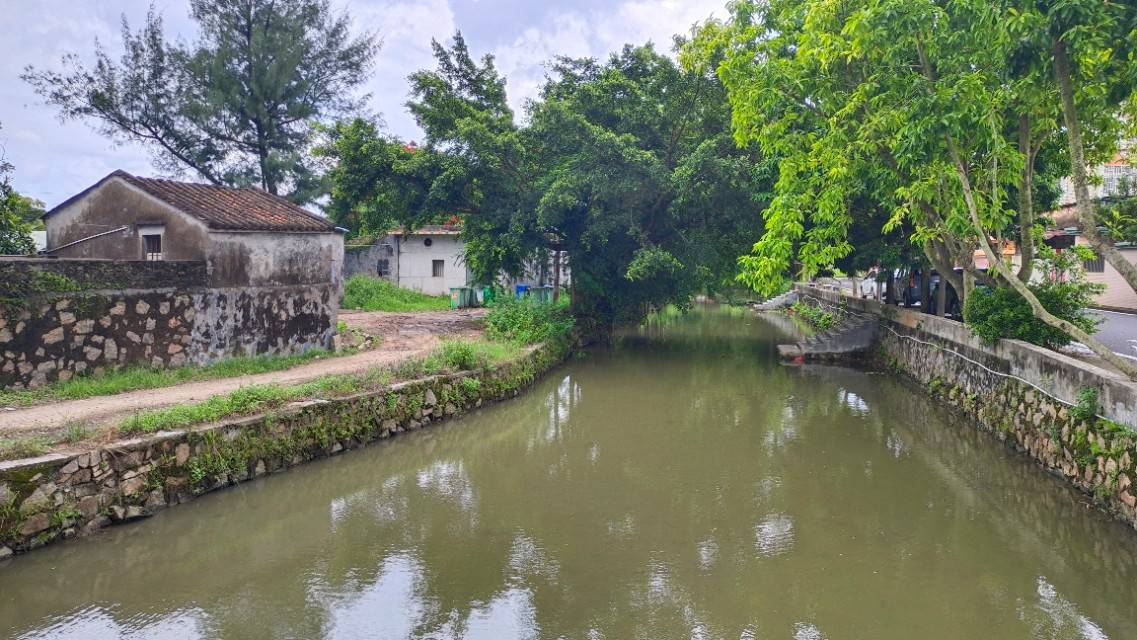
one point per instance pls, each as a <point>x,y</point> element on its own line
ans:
<point>814,316</point>
<point>998,313</point>
<point>14,227</point>
<point>526,321</point>
<point>366,293</point>
<point>627,166</point>
<point>237,105</point>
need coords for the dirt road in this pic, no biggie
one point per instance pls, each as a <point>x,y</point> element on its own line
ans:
<point>400,336</point>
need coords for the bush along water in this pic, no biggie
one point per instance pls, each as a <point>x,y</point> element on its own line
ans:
<point>998,313</point>
<point>526,321</point>
<point>814,316</point>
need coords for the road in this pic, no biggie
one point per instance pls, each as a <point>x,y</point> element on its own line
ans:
<point>1118,331</point>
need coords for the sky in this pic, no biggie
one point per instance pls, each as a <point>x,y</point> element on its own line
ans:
<point>54,160</point>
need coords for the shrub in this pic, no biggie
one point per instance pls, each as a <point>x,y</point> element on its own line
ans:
<point>1088,404</point>
<point>998,313</point>
<point>816,317</point>
<point>366,293</point>
<point>527,321</point>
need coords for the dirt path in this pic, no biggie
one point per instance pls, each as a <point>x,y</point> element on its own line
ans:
<point>401,336</point>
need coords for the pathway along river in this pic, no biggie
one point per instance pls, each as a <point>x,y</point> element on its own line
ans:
<point>680,485</point>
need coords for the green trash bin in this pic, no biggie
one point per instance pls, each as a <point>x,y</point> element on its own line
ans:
<point>488,295</point>
<point>459,299</point>
<point>542,294</point>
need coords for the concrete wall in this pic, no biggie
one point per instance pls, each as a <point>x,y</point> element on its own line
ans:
<point>1023,394</point>
<point>61,318</point>
<point>415,263</point>
<point>114,204</point>
<point>260,259</point>
<point>60,496</point>
<point>365,259</point>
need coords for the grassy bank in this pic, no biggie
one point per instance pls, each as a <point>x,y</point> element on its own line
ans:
<point>364,293</point>
<point>511,327</point>
<point>136,378</point>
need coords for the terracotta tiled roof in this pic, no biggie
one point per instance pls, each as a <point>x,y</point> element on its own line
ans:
<point>224,208</point>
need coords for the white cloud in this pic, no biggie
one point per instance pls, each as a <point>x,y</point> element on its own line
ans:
<point>596,34</point>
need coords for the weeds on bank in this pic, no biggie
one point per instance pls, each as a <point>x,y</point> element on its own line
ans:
<point>816,317</point>
<point>136,378</point>
<point>366,293</point>
<point>24,448</point>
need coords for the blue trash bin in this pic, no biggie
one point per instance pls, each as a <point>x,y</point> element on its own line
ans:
<point>521,290</point>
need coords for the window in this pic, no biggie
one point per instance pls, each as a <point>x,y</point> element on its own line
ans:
<point>428,242</point>
<point>1097,265</point>
<point>436,268</point>
<point>152,247</point>
<point>383,268</point>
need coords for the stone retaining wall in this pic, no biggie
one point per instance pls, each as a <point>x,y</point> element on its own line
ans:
<point>61,496</point>
<point>1023,394</point>
<point>61,318</point>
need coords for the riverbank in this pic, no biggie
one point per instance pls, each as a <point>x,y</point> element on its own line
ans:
<point>60,496</point>
<point>48,425</point>
<point>1072,418</point>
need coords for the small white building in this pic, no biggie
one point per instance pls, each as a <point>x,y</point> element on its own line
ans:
<point>429,259</point>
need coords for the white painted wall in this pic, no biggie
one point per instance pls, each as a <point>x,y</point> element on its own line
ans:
<point>416,259</point>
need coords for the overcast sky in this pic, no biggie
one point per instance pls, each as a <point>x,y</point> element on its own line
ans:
<point>55,160</point>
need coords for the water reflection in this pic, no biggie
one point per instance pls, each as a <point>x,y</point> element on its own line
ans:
<point>682,485</point>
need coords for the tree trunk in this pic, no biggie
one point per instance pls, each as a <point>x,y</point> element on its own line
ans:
<point>925,287</point>
<point>1086,215</point>
<point>1026,202</point>
<point>890,288</point>
<point>1040,312</point>
<point>556,275</point>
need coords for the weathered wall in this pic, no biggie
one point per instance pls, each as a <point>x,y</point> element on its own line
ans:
<point>60,318</point>
<point>58,496</point>
<point>115,204</point>
<point>260,259</point>
<point>365,259</point>
<point>1023,394</point>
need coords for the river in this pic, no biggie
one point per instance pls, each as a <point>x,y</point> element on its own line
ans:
<point>681,484</point>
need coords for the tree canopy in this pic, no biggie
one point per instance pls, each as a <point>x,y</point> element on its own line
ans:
<point>946,114</point>
<point>236,106</point>
<point>628,166</point>
<point>14,210</point>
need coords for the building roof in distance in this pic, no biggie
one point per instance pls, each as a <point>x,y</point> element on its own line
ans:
<point>430,230</point>
<point>222,208</point>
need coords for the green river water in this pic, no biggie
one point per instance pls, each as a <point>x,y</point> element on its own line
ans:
<point>681,484</point>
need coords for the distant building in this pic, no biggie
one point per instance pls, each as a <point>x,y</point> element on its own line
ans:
<point>1117,294</point>
<point>429,259</point>
<point>1118,177</point>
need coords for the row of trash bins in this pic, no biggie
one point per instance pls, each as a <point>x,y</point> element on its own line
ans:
<point>464,297</point>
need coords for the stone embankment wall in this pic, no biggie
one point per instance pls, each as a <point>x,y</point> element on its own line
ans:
<point>61,318</point>
<point>59,496</point>
<point>1026,396</point>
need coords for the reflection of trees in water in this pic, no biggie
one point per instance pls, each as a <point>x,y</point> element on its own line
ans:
<point>1041,520</point>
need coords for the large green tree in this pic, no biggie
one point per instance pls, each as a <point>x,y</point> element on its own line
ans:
<point>939,111</point>
<point>627,166</point>
<point>236,106</point>
<point>14,236</point>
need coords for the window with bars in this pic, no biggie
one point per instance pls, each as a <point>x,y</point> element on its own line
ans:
<point>152,247</point>
<point>1097,265</point>
<point>437,267</point>
<point>383,267</point>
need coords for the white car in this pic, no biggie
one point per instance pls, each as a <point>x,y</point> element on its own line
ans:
<point>870,288</point>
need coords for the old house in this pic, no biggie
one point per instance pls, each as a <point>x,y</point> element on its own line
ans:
<point>246,236</point>
<point>1116,294</point>
<point>159,273</point>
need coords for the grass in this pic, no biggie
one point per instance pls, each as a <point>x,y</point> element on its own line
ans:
<point>451,355</point>
<point>366,293</point>
<point>815,317</point>
<point>24,448</point>
<point>136,378</point>
<point>527,321</point>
